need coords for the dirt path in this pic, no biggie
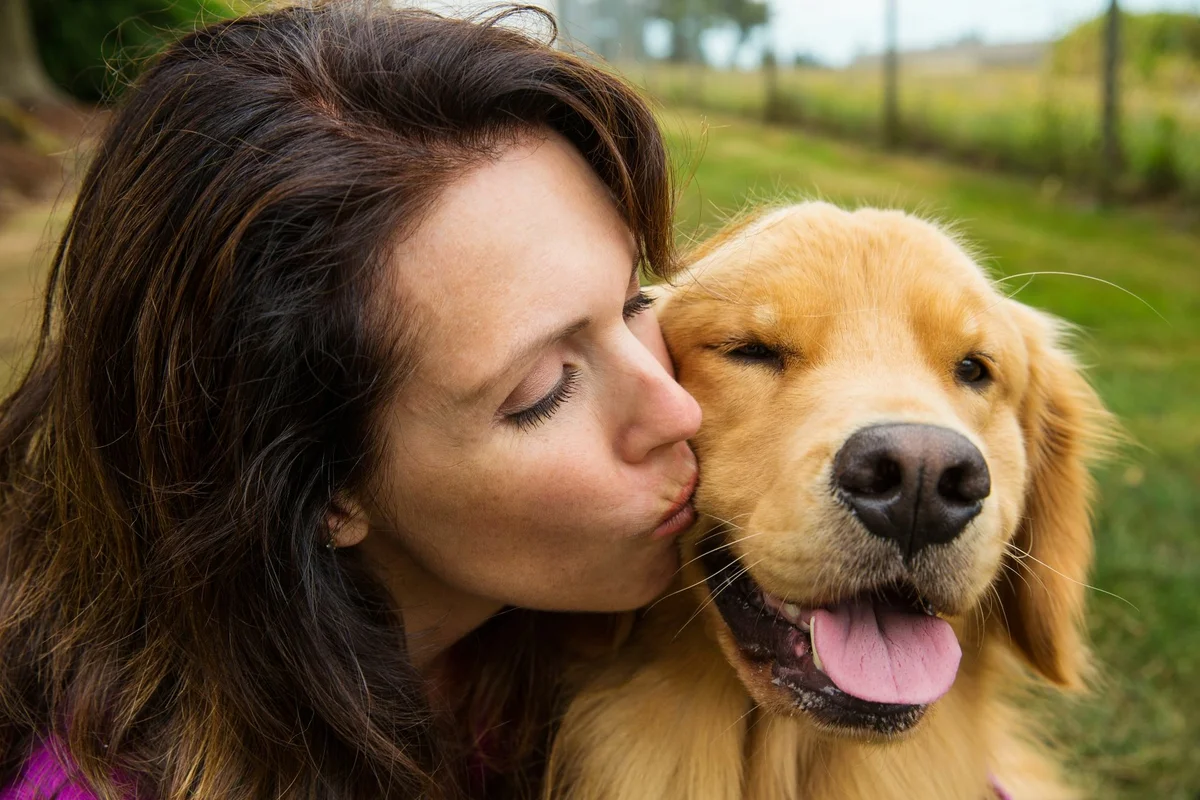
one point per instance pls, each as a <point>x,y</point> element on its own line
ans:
<point>27,239</point>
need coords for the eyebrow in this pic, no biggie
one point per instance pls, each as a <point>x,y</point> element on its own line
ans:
<point>525,351</point>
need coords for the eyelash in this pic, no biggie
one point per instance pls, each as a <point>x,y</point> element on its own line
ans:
<point>636,305</point>
<point>543,409</point>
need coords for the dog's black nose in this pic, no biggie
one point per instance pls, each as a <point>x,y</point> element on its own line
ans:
<point>915,484</point>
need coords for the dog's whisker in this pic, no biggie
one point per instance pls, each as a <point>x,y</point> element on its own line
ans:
<point>692,586</point>
<point>726,521</point>
<point>1023,554</point>
<point>1008,296</point>
<point>999,605</point>
<point>1116,286</point>
<point>713,595</point>
<point>734,724</point>
<point>1024,579</point>
<point>669,595</point>
<point>724,546</point>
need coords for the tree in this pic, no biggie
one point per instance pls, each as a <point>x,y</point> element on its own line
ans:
<point>22,78</point>
<point>92,48</point>
<point>746,15</point>
<point>1110,156</point>
<point>690,18</point>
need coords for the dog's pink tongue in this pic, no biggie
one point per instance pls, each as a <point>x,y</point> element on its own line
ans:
<point>884,654</point>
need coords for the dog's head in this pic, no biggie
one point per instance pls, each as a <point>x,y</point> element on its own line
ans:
<point>892,450</point>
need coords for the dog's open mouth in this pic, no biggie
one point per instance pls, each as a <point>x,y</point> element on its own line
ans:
<point>869,663</point>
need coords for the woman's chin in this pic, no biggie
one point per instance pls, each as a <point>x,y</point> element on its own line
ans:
<point>659,571</point>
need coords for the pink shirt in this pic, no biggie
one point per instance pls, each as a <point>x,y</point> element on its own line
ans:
<point>43,775</point>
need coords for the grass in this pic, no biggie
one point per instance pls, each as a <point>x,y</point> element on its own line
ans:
<point>1135,736</point>
<point>1024,120</point>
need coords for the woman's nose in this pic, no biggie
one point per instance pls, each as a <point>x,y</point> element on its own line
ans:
<point>658,411</point>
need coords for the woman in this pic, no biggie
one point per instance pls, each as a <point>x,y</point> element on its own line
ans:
<point>343,353</point>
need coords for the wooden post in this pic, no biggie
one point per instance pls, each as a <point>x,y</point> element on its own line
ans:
<point>891,89</point>
<point>1110,148</point>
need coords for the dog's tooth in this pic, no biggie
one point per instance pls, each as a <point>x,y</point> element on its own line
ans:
<point>812,624</point>
<point>791,611</point>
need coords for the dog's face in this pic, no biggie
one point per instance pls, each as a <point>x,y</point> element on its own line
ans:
<point>892,450</point>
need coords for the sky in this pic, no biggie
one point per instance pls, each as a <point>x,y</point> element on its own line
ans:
<point>835,31</point>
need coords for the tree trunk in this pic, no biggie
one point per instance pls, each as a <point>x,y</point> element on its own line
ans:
<point>770,70</point>
<point>1110,151</point>
<point>891,81</point>
<point>680,48</point>
<point>22,78</point>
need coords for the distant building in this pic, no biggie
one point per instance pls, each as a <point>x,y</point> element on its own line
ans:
<point>964,57</point>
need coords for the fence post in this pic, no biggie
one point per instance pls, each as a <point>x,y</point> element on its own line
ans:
<point>1110,148</point>
<point>891,102</point>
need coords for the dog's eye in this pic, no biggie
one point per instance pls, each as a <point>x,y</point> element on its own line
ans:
<point>756,353</point>
<point>973,371</point>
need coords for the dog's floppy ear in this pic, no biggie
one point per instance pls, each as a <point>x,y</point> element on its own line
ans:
<point>1064,425</point>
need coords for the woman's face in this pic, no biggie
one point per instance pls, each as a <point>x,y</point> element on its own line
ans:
<point>539,446</point>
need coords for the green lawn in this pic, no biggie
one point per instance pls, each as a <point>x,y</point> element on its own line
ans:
<point>1025,120</point>
<point>1136,735</point>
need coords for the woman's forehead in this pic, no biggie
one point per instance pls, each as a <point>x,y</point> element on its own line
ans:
<point>514,247</point>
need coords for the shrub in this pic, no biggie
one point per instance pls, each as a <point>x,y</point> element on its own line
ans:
<point>91,48</point>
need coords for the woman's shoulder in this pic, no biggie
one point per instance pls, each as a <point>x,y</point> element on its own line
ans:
<point>47,773</point>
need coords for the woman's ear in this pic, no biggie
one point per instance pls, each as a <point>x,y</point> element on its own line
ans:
<point>1064,426</point>
<point>347,522</point>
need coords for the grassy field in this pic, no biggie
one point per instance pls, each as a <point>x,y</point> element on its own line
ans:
<point>1135,737</point>
<point>1023,120</point>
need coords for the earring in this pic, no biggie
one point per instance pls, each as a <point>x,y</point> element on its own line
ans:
<point>330,545</point>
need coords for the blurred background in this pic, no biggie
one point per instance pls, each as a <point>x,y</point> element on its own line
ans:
<point>1060,136</point>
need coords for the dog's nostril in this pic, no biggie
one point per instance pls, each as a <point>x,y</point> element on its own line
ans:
<point>965,483</point>
<point>886,477</point>
<point>870,476</point>
<point>950,485</point>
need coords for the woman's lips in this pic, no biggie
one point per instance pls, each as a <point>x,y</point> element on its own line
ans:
<point>682,513</point>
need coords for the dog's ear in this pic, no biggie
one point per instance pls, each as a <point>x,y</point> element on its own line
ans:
<point>1064,425</point>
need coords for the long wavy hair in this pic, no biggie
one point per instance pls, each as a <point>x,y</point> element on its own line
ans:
<point>211,361</point>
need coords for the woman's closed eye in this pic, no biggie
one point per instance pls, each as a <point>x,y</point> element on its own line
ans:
<point>541,410</point>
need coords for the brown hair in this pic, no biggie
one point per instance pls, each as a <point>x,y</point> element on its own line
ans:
<point>205,382</point>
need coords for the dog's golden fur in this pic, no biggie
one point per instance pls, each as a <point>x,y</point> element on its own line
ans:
<point>870,312</point>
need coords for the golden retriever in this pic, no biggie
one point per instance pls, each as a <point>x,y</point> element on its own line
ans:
<point>894,512</point>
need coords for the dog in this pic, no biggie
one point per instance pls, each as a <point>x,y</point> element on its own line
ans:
<point>893,538</point>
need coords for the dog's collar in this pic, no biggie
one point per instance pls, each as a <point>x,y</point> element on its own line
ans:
<point>998,791</point>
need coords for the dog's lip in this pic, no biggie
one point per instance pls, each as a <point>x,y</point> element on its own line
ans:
<point>681,513</point>
<point>813,691</point>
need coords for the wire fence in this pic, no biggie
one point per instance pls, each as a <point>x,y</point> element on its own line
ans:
<point>1109,102</point>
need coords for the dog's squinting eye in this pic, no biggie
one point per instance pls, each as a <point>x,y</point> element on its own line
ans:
<point>972,371</point>
<point>756,353</point>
